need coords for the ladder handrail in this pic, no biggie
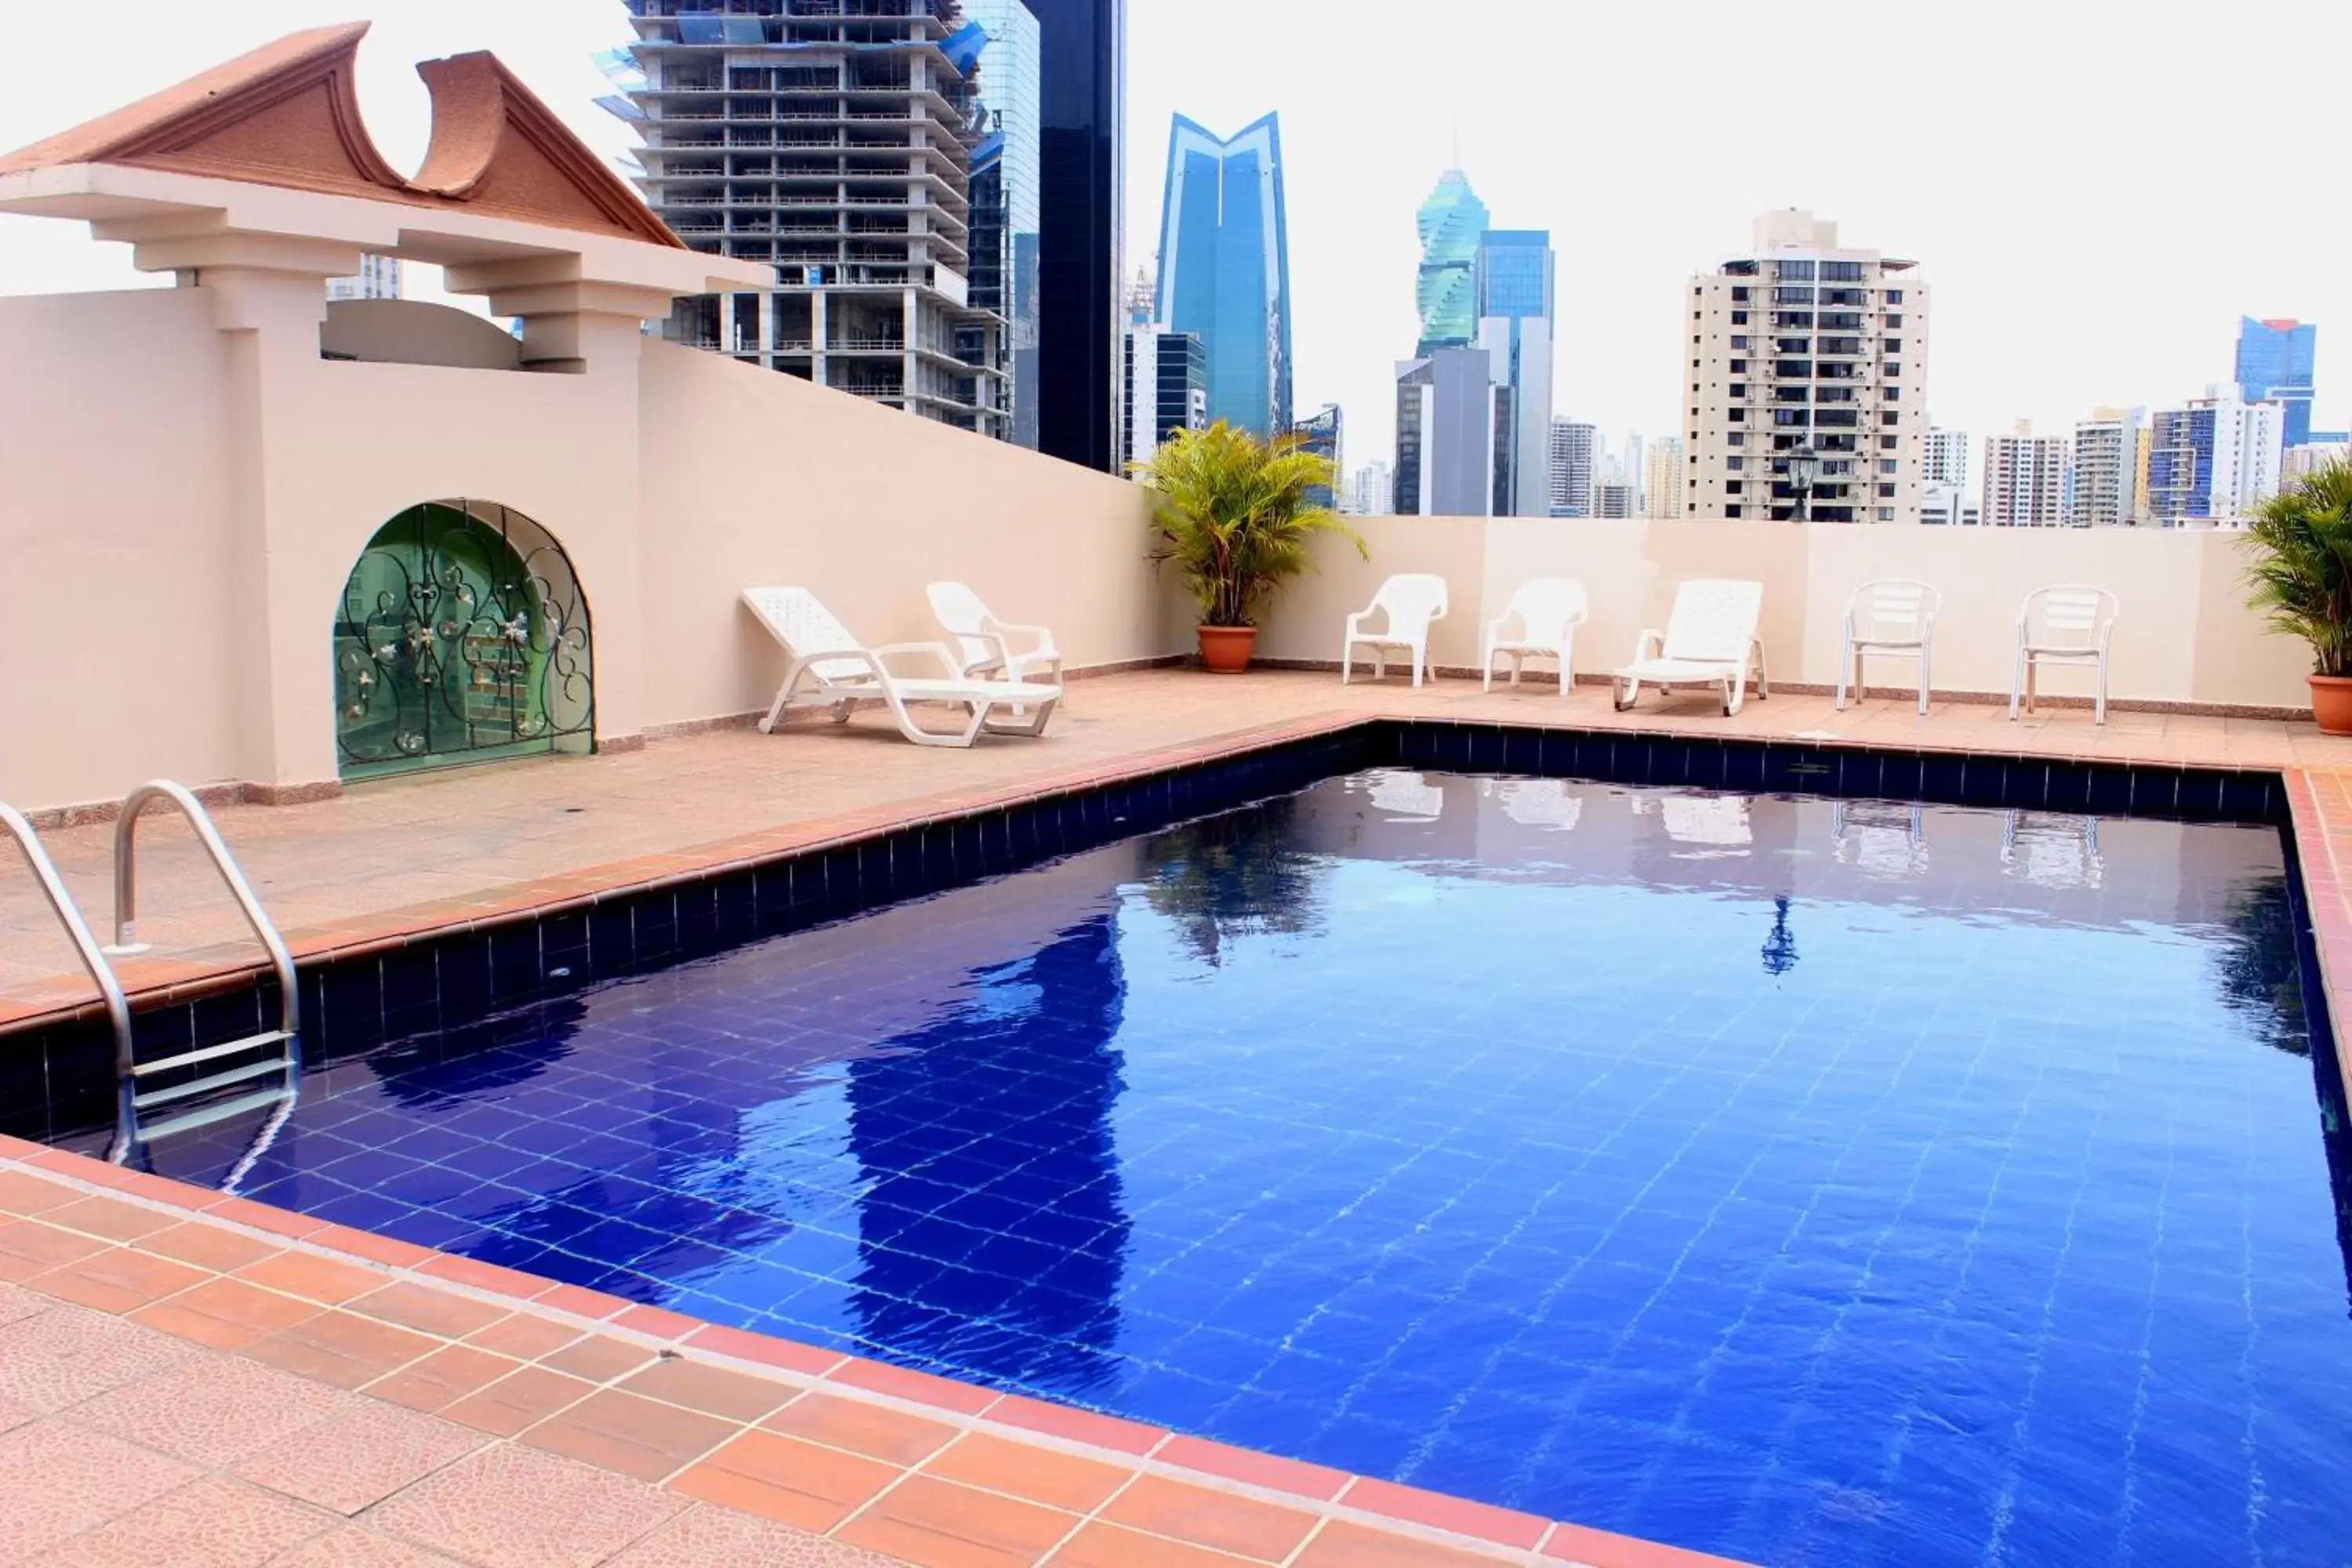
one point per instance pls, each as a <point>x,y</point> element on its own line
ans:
<point>93,958</point>
<point>126,887</point>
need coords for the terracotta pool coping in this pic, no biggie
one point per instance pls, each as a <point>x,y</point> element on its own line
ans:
<point>811,1437</point>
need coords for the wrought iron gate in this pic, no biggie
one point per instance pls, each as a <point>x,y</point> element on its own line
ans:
<point>462,634</point>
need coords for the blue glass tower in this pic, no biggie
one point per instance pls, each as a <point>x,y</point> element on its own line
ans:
<point>2274,360</point>
<point>1224,266</point>
<point>1451,222</point>
<point>1514,278</point>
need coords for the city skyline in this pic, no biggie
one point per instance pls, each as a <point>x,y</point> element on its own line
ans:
<point>2147,335</point>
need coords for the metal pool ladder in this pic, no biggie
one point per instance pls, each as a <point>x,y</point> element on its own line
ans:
<point>272,1053</point>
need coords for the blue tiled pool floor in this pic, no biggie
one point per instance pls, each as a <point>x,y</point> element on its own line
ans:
<point>1807,1182</point>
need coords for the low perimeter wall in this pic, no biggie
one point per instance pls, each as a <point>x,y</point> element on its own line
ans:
<point>2184,636</point>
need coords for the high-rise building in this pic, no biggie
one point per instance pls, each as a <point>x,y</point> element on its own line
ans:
<point>2274,363</point>
<point>1006,171</point>
<point>1513,276</point>
<point>1613,497</point>
<point>1224,266</point>
<point>1797,345</point>
<point>1661,479</point>
<point>2103,482</point>
<point>1164,380</point>
<point>1944,459</point>
<point>2212,459</point>
<point>1451,222</point>
<point>2024,480</point>
<point>1575,451</point>
<point>1323,433</point>
<point>1371,491</point>
<point>1630,469</point>
<point>841,155</point>
<point>1082,110</point>
<point>377,278</point>
<point>2299,463</point>
<point>1453,432</point>
<point>1949,505</point>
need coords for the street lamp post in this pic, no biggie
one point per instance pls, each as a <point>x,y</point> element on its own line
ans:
<point>1804,468</point>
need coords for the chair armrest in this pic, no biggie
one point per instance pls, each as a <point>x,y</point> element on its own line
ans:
<point>1650,644</point>
<point>1357,619</point>
<point>1042,639</point>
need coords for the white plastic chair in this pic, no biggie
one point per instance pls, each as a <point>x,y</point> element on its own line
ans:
<point>1710,640</point>
<point>2070,622</point>
<point>984,645</point>
<point>1889,617</point>
<point>845,672</point>
<point>1409,601</point>
<point>1548,611</point>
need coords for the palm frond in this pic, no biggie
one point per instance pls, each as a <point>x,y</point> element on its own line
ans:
<point>1233,515</point>
<point>2300,576</point>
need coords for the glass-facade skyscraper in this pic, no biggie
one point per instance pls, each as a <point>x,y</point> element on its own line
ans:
<point>1006,170</point>
<point>1224,266</point>
<point>1451,222</point>
<point>2274,360</point>
<point>1082,115</point>
<point>1514,285</point>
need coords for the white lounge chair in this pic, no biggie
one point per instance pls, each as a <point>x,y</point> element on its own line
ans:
<point>1546,611</point>
<point>985,645</point>
<point>2070,622</point>
<point>844,671</point>
<point>1409,601</point>
<point>1709,640</point>
<point>1889,617</point>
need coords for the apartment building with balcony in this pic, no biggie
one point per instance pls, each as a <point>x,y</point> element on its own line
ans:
<point>833,142</point>
<point>1800,344</point>
<point>2214,458</point>
<point>2024,480</point>
<point>2103,488</point>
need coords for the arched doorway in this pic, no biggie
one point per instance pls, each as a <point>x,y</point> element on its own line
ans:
<point>462,636</point>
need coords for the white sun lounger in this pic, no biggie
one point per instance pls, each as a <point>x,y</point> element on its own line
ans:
<point>842,673</point>
<point>1709,640</point>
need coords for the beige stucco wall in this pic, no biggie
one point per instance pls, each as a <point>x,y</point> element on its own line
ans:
<point>2184,634</point>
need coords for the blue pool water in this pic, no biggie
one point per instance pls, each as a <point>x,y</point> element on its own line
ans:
<point>1809,1182</point>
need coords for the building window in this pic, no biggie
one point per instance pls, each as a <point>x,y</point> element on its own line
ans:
<point>1740,340</point>
<point>1886,492</point>
<point>1892,368</point>
<point>1790,394</point>
<point>1793,270</point>
<point>1889,416</point>
<point>1894,296</point>
<point>1739,367</point>
<point>1739,389</point>
<point>1841,272</point>
<point>1734,464</point>
<point>1886,443</point>
<point>1895,320</point>
<point>1740,296</point>
<point>1792,296</point>
<point>1894,345</point>
<point>1833,394</point>
<point>1731,486</point>
<point>1890,394</point>
<point>1887,465</point>
<point>1738,317</point>
<point>1887,514</point>
<point>1736,438</point>
<point>1791,416</point>
<point>1731,512</point>
<point>1801,369</point>
<point>1737,417</point>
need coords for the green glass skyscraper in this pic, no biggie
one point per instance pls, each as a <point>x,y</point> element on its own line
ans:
<point>1453,222</point>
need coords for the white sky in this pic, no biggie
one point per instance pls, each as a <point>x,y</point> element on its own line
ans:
<point>2097,189</point>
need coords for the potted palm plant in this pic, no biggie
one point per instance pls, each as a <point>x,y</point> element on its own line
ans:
<point>2300,575</point>
<point>1236,513</point>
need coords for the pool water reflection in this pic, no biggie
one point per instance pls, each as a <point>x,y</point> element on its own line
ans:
<point>1805,1181</point>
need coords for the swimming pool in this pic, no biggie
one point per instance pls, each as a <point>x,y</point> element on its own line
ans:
<point>1803,1180</point>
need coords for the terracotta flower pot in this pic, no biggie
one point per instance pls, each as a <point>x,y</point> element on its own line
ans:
<point>1225,650</point>
<point>2331,704</point>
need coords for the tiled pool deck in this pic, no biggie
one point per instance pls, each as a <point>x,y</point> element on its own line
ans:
<point>339,1398</point>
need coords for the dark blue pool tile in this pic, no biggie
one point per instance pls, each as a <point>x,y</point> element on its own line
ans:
<point>2156,790</point>
<point>2068,786</point>
<point>2110,791</point>
<point>562,943</point>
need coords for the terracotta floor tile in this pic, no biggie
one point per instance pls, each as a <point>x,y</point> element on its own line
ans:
<point>1100,1545</point>
<point>707,1537</point>
<point>61,1479</point>
<point>314,1279</point>
<point>68,1353</point>
<point>787,1479</point>
<point>427,1310</point>
<point>1502,1525</point>
<point>1240,1525</point>
<point>1258,1469</point>
<point>658,1321</point>
<point>225,1313</point>
<point>874,1430</point>
<point>765,1350</point>
<point>24,1194</point>
<point>714,1390</point>
<point>213,1523</point>
<point>213,1409</point>
<point>523,1336</point>
<point>523,1397</point>
<point>881,1377</point>
<point>440,1379</point>
<point>1573,1543</point>
<point>360,1455</point>
<point>508,1505</point>
<point>355,1546</point>
<point>636,1437</point>
<point>938,1522</point>
<point>209,1246</point>
<point>1342,1544</point>
<point>111,1218</point>
<point>340,1348</point>
<point>599,1358</point>
<point>28,1247</point>
<point>1078,1425</point>
<point>118,1280</point>
<point>1041,1475</point>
